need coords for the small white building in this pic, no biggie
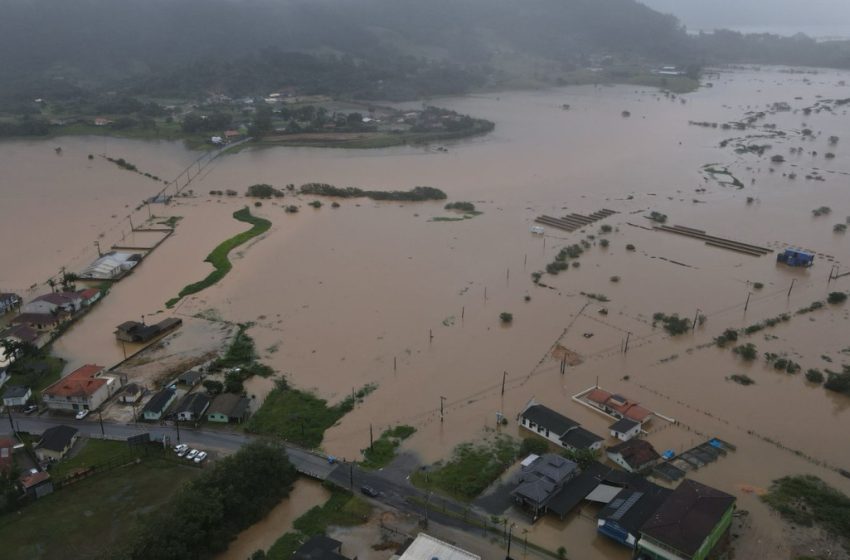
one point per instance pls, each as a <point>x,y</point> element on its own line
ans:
<point>67,302</point>
<point>110,266</point>
<point>426,547</point>
<point>16,395</point>
<point>625,429</point>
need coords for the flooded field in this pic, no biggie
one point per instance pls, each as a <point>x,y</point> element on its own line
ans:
<point>340,295</point>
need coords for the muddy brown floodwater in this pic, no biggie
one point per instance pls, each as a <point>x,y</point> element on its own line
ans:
<point>338,295</point>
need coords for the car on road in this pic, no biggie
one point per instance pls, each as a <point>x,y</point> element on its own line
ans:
<point>82,414</point>
<point>199,458</point>
<point>180,447</point>
<point>30,409</point>
<point>369,491</point>
<point>192,454</point>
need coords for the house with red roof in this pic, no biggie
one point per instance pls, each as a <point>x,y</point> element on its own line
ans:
<point>83,389</point>
<point>89,296</point>
<point>618,406</point>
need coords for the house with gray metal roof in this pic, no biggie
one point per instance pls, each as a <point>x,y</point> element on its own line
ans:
<point>557,428</point>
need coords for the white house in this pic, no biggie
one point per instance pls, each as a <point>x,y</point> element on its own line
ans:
<point>159,403</point>
<point>625,429</point>
<point>557,428</point>
<point>57,302</point>
<point>16,395</point>
<point>83,389</point>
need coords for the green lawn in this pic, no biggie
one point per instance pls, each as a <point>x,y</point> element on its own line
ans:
<point>91,518</point>
<point>384,448</point>
<point>343,509</point>
<point>92,452</point>
<point>298,416</point>
<point>807,500</point>
<point>36,372</point>
<point>471,469</point>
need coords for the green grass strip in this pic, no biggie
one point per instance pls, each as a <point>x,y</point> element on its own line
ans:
<point>218,257</point>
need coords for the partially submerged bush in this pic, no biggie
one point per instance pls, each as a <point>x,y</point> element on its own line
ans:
<point>836,298</point>
<point>746,351</point>
<point>506,317</point>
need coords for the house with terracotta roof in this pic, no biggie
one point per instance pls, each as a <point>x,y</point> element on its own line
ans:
<point>89,296</point>
<point>617,406</point>
<point>634,455</point>
<point>688,525</point>
<point>83,389</point>
<point>36,483</point>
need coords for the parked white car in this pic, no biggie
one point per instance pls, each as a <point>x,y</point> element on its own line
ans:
<point>180,447</point>
<point>82,414</point>
<point>183,451</point>
<point>199,458</point>
<point>192,454</point>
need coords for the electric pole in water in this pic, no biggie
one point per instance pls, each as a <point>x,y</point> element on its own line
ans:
<point>504,375</point>
<point>441,407</point>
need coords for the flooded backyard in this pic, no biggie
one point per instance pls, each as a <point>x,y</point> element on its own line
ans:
<point>378,292</point>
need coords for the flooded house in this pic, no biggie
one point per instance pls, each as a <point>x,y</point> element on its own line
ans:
<point>541,481</point>
<point>558,429</point>
<point>622,518</point>
<point>618,406</point>
<point>39,322</point>
<point>54,303</point>
<point>688,525</point>
<point>133,331</point>
<point>111,266</point>
<point>624,429</point>
<point>634,455</point>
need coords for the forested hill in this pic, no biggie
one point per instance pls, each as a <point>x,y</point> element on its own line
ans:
<point>388,49</point>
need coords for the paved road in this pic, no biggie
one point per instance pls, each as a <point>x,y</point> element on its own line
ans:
<point>305,461</point>
<point>392,483</point>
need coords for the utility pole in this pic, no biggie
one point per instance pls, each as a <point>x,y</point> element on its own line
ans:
<point>177,425</point>
<point>441,407</point>
<point>626,348</point>
<point>371,442</point>
<point>510,534</point>
<point>791,287</point>
<point>12,424</point>
<point>102,431</point>
<point>696,317</point>
<point>351,476</point>
<point>504,375</point>
<point>747,304</point>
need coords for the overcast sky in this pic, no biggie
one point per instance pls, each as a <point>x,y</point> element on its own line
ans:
<point>707,14</point>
